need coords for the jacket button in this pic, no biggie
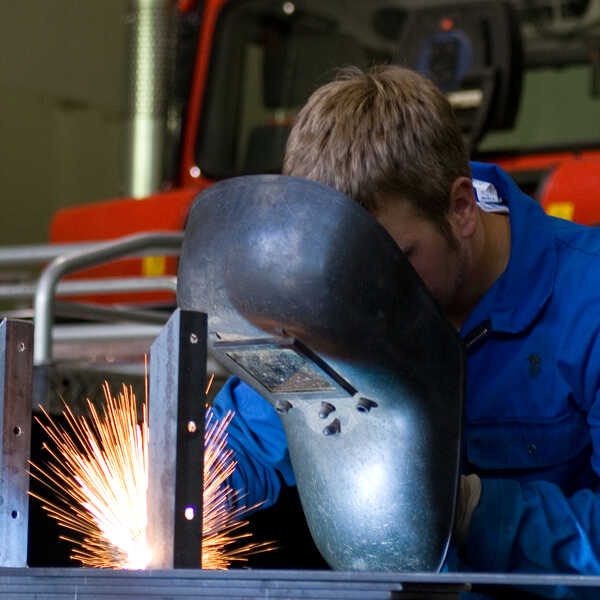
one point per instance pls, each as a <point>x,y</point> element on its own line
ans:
<point>531,449</point>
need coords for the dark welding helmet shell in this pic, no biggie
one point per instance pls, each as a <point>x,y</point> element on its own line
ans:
<point>311,302</point>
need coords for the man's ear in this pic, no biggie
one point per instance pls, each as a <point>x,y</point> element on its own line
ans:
<point>463,211</point>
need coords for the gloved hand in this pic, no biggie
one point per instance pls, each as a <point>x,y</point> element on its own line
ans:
<point>468,499</point>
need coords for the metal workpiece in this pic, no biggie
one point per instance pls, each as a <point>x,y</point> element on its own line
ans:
<point>63,265</point>
<point>260,584</point>
<point>16,351</point>
<point>300,310</point>
<point>176,412</point>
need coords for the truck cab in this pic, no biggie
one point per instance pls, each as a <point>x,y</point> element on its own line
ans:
<point>511,69</point>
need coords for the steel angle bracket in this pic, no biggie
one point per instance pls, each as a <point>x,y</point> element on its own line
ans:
<point>16,360</point>
<point>176,407</point>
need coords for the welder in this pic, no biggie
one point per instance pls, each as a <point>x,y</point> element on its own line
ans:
<point>520,287</point>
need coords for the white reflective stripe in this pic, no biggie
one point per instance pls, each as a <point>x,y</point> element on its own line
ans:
<point>488,198</point>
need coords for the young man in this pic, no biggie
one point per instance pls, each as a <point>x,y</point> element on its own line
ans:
<point>522,289</point>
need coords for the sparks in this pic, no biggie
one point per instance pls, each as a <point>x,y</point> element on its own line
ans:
<point>222,525</point>
<point>99,472</point>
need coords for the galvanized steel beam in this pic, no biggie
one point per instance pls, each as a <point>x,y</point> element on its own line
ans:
<point>250,584</point>
<point>176,448</point>
<point>16,351</point>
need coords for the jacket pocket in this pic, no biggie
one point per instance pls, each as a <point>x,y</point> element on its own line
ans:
<point>526,444</point>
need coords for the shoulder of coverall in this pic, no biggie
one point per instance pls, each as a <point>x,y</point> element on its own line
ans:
<point>520,293</point>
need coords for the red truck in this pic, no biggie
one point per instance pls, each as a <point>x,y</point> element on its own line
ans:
<point>246,66</point>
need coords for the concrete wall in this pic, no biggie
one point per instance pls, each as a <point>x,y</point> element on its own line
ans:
<point>556,108</point>
<point>61,107</point>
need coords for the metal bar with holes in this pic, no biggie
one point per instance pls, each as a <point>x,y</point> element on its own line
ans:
<point>176,409</point>
<point>16,351</point>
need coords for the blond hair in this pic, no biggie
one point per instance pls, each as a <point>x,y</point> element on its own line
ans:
<point>384,131</point>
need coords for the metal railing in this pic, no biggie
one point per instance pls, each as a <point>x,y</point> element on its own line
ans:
<point>35,254</point>
<point>118,323</point>
<point>107,285</point>
<point>90,256</point>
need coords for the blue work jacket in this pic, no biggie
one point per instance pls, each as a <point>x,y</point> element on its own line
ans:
<point>532,412</point>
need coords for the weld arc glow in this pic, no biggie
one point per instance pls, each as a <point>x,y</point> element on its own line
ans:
<point>99,472</point>
<point>223,526</point>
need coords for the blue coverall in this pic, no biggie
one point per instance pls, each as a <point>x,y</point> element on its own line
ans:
<point>533,402</point>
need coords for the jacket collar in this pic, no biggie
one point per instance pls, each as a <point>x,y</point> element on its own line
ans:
<point>519,294</point>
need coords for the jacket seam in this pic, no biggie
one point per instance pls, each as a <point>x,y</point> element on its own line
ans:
<point>595,254</point>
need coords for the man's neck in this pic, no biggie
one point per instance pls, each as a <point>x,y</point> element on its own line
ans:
<point>490,256</point>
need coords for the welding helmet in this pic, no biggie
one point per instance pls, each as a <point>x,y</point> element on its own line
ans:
<point>312,303</point>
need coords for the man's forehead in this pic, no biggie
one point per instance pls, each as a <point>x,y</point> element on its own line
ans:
<point>396,209</point>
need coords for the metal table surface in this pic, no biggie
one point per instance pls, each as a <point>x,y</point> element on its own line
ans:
<point>84,584</point>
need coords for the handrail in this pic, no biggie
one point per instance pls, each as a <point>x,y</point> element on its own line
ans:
<point>97,312</point>
<point>105,331</point>
<point>62,265</point>
<point>68,334</point>
<point>83,287</point>
<point>34,254</point>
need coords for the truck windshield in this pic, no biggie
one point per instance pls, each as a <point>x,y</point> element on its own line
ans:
<point>269,56</point>
<point>559,110</point>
